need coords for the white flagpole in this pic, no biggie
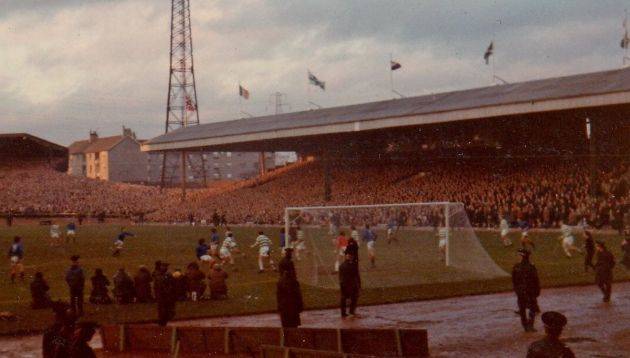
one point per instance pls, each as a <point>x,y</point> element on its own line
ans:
<point>308,89</point>
<point>240,100</point>
<point>391,72</point>
<point>625,27</point>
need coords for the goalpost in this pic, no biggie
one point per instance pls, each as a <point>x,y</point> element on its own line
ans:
<point>415,243</point>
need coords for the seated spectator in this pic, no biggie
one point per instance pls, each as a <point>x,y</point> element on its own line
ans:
<point>123,287</point>
<point>100,292</point>
<point>142,283</point>
<point>195,280</point>
<point>218,286</point>
<point>39,292</point>
<point>180,285</point>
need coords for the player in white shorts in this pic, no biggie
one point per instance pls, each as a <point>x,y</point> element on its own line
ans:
<point>505,230</point>
<point>391,230</point>
<point>354,233</point>
<point>264,251</point>
<point>54,234</point>
<point>568,240</point>
<point>228,245</point>
<point>299,246</point>
<point>443,239</point>
<point>369,237</point>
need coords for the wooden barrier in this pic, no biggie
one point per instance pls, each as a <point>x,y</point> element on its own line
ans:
<point>323,339</point>
<point>239,341</point>
<point>149,338</point>
<point>377,342</point>
<point>248,340</point>
<point>112,337</point>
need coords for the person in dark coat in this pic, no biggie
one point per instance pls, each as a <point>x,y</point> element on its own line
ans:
<point>604,270</point>
<point>527,288</point>
<point>289,299</point>
<point>57,338</point>
<point>164,294</point>
<point>353,249</point>
<point>625,248</point>
<point>349,284</point>
<point>218,286</point>
<point>156,272</point>
<point>124,290</point>
<point>286,264</point>
<point>39,292</point>
<point>180,284</point>
<point>100,293</point>
<point>75,278</point>
<point>195,279</point>
<point>551,346</point>
<point>80,347</point>
<point>142,284</point>
<point>589,251</point>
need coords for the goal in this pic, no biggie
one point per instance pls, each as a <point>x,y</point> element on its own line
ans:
<point>416,243</point>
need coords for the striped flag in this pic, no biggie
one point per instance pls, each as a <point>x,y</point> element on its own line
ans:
<point>315,81</point>
<point>394,65</point>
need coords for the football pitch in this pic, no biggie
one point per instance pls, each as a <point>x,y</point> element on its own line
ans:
<point>396,277</point>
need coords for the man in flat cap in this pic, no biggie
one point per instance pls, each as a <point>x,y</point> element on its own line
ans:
<point>75,278</point>
<point>527,288</point>
<point>551,346</point>
<point>604,269</point>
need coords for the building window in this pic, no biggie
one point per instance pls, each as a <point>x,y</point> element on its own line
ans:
<point>228,154</point>
<point>216,175</point>
<point>215,154</point>
<point>229,175</point>
<point>229,165</point>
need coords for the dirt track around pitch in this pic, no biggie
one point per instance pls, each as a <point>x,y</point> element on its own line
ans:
<point>473,326</point>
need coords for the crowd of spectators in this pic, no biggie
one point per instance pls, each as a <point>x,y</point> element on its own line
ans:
<point>539,191</point>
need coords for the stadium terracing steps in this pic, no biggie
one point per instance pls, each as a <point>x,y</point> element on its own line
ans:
<point>146,340</point>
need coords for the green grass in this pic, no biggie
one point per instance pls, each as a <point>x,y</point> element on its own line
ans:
<point>251,292</point>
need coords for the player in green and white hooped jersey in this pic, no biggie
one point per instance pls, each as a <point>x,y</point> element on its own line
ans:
<point>264,251</point>
<point>505,230</point>
<point>568,240</point>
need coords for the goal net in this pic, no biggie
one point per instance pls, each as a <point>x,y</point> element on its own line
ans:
<point>399,244</point>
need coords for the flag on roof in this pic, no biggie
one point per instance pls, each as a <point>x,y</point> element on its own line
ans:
<point>315,81</point>
<point>394,65</point>
<point>489,52</point>
<point>243,92</point>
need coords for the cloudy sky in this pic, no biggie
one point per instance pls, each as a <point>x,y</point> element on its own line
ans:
<point>68,66</point>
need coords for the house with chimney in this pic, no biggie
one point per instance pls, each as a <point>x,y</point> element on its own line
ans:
<point>116,158</point>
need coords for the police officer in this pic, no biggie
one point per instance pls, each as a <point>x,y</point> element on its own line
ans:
<point>550,346</point>
<point>527,288</point>
<point>165,294</point>
<point>589,248</point>
<point>349,284</point>
<point>604,270</point>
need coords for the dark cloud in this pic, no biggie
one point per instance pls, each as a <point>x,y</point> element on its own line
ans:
<point>75,65</point>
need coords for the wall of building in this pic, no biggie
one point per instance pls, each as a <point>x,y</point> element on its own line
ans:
<point>126,163</point>
<point>218,165</point>
<point>96,164</point>
<point>76,165</point>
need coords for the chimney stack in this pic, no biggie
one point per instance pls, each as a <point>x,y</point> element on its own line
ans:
<point>93,136</point>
